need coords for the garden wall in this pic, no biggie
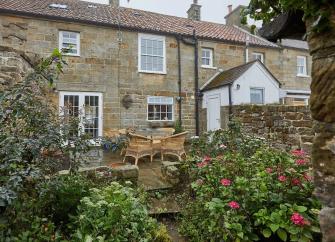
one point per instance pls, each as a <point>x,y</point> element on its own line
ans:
<point>283,126</point>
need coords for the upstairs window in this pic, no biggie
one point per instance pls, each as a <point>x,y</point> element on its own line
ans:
<point>160,108</point>
<point>256,95</point>
<point>152,54</point>
<point>258,56</point>
<point>301,66</point>
<point>69,43</point>
<point>206,57</point>
<point>87,107</point>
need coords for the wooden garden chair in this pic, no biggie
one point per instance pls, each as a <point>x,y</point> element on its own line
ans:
<point>139,146</point>
<point>174,145</point>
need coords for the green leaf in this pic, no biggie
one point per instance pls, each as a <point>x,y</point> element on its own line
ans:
<point>301,209</point>
<point>282,234</point>
<point>254,237</point>
<point>274,227</point>
<point>266,233</point>
<point>240,234</point>
<point>315,229</point>
<point>308,234</point>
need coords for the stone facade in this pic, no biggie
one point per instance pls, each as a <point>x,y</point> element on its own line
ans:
<point>285,127</point>
<point>14,65</point>
<point>110,66</point>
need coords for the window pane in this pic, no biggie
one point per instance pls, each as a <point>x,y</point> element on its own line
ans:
<point>256,96</point>
<point>160,108</point>
<point>152,55</point>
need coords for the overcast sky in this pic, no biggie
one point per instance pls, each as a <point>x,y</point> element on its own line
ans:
<point>212,10</point>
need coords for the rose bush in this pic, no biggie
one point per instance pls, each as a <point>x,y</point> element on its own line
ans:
<point>247,191</point>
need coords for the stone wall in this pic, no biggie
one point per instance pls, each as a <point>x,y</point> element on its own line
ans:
<point>286,127</point>
<point>14,65</point>
<point>110,67</point>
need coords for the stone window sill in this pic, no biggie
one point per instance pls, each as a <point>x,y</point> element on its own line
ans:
<point>209,67</point>
<point>305,76</point>
<point>161,124</point>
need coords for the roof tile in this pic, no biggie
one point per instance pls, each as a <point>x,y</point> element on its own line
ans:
<point>78,11</point>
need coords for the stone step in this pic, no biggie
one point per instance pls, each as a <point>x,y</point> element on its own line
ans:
<point>165,205</point>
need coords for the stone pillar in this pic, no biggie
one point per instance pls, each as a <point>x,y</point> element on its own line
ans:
<point>322,47</point>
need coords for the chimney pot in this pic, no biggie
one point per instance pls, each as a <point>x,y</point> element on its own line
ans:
<point>230,8</point>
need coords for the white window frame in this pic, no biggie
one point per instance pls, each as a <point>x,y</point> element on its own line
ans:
<point>81,102</point>
<point>60,40</point>
<point>148,102</point>
<point>151,37</point>
<point>263,91</point>
<point>305,65</point>
<point>211,59</point>
<point>256,54</point>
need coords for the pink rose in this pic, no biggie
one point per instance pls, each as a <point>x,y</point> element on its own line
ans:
<point>300,162</point>
<point>225,182</point>
<point>299,220</point>
<point>206,159</point>
<point>234,205</point>
<point>296,182</point>
<point>202,164</point>
<point>282,178</point>
<point>268,170</point>
<point>223,146</point>
<point>298,153</point>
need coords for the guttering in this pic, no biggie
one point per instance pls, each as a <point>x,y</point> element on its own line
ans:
<point>196,83</point>
<point>194,42</point>
<point>230,100</point>
<point>178,38</point>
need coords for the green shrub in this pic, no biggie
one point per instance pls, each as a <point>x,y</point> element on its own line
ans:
<point>60,196</point>
<point>113,213</point>
<point>40,229</point>
<point>248,192</point>
<point>178,128</point>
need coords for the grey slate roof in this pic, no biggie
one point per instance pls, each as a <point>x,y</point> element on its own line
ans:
<point>229,76</point>
<point>132,19</point>
<point>297,44</point>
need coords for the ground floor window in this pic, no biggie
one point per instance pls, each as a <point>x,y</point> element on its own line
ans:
<point>87,106</point>
<point>160,108</point>
<point>256,95</point>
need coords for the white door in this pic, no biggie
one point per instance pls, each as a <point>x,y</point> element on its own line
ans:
<point>213,112</point>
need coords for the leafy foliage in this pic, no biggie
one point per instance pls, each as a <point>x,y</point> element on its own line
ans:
<point>178,128</point>
<point>32,135</point>
<point>318,11</point>
<point>114,214</point>
<point>60,196</point>
<point>243,190</point>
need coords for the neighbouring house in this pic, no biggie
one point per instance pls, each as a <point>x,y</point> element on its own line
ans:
<point>132,68</point>
<point>296,62</point>
<point>250,83</point>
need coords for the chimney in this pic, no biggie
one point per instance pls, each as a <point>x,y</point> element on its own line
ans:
<point>230,8</point>
<point>194,11</point>
<point>114,3</point>
<point>234,15</point>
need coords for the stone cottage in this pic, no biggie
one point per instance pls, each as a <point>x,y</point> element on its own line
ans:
<point>128,67</point>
